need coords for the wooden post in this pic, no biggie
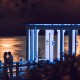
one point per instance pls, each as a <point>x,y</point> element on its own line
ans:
<point>11,71</point>
<point>5,70</point>
<point>17,71</point>
<point>28,64</point>
<point>21,64</point>
<point>34,63</point>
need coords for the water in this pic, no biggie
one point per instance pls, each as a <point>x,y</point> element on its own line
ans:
<point>17,45</point>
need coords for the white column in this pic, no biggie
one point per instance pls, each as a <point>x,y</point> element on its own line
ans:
<point>47,51</point>
<point>32,46</point>
<point>36,45</point>
<point>63,31</point>
<point>51,45</point>
<point>58,44</point>
<point>63,39</point>
<point>29,44</point>
<point>73,42</point>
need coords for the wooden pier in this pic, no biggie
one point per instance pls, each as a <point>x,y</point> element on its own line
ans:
<point>15,70</point>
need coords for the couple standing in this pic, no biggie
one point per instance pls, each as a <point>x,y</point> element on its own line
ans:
<point>8,58</point>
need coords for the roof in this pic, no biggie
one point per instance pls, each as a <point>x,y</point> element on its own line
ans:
<point>53,26</point>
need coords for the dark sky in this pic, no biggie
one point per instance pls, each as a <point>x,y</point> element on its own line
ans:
<point>15,13</point>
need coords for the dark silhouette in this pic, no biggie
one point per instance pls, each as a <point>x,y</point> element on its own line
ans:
<point>6,77</point>
<point>10,60</point>
<point>10,64</point>
<point>5,57</point>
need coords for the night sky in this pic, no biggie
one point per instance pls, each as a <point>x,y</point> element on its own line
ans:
<point>15,13</point>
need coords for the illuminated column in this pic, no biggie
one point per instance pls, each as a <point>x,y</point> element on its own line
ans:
<point>51,45</point>
<point>47,48</point>
<point>29,44</point>
<point>76,44</point>
<point>36,45</point>
<point>62,44</point>
<point>32,46</point>
<point>73,42</point>
<point>58,44</point>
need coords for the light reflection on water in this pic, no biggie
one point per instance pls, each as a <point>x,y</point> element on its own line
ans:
<point>17,46</point>
<point>14,44</point>
<point>77,46</point>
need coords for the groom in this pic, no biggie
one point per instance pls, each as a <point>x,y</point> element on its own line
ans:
<point>10,61</point>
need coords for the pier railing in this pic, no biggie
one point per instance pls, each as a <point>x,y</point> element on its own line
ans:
<point>14,70</point>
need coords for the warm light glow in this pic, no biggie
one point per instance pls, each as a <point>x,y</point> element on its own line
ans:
<point>77,46</point>
<point>6,45</point>
<point>13,45</point>
<point>78,52</point>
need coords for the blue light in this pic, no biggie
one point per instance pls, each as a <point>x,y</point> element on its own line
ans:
<point>41,24</point>
<point>65,24</point>
<point>59,24</point>
<point>47,24</point>
<point>51,24</point>
<point>54,24</point>
<point>68,24</point>
<point>78,24</point>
